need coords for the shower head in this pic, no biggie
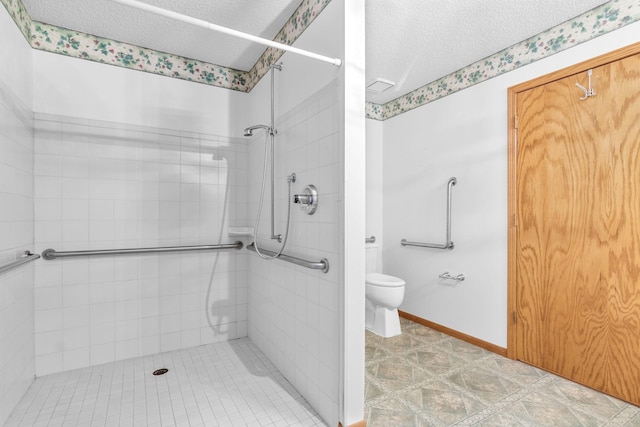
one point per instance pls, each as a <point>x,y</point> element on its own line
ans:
<point>249,131</point>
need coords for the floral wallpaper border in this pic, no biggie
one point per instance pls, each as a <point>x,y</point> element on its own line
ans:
<point>86,46</point>
<point>303,16</point>
<point>603,19</point>
<point>20,16</point>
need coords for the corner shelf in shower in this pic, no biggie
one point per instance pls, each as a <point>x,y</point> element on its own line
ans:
<point>240,231</point>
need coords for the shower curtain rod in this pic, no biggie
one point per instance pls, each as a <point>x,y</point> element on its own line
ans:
<point>200,23</point>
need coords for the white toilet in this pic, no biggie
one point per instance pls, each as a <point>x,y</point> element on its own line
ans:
<point>384,294</point>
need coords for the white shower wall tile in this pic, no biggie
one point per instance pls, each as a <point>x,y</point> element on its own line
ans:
<point>16,236</point>
<point>101,185</point>
<point>293,311</point>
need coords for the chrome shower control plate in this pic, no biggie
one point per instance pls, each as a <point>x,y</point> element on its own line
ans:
<point>308,199</point>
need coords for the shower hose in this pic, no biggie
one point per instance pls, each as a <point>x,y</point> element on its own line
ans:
<point>264,179</point>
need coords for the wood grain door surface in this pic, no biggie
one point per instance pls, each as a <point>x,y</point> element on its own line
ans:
<point>578,229</point>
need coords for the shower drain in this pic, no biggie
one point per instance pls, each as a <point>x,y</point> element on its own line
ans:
<point>160,371</point>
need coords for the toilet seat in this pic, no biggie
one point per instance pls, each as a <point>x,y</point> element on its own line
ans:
<point>383,296</point>
<point>378,279</point>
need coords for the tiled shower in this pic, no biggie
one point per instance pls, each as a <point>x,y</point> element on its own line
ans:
<point>98,157</point>
<point>16,229</point>
<point>301,341</point>
<point>112,185</point>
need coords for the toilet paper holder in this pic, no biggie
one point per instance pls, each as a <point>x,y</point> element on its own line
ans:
<point>447,276</point>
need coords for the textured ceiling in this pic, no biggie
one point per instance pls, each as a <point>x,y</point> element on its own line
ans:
<point>414,42</point>
<point>115,21</point>
<point>411,42</point>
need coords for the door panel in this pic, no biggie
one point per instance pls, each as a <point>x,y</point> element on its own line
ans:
<point>623,217</point>
<point>578,209</point>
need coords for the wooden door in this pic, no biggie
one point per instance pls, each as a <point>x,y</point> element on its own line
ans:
<point>577,243</point>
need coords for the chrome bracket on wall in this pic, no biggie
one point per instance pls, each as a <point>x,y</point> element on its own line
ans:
<point>23,258</point>
<point>449,243</point>
<point>448,276</point>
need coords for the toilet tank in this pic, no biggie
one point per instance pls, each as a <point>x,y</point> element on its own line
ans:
<point>371,258</point>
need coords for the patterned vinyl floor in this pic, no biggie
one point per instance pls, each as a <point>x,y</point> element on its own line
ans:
<point>426,378</point>
<point>421,378</point>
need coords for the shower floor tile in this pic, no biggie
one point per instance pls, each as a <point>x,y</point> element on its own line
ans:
<point>223,384</point>
<point>427,378</point>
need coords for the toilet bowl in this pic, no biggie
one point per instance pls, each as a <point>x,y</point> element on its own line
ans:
<point>384,294</point>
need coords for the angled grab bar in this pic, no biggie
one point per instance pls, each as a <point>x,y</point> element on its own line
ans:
<point>449,244</point>
<point>27,256</point>
<point>323,265</point>
<point>50,254</point>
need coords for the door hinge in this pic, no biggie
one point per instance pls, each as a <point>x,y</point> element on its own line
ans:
<point>514,317</point>
<point>515,220</point>
<point>515,122</point>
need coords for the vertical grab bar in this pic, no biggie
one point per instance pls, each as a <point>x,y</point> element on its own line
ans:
<point>449,244</point>
<point>452,181</point>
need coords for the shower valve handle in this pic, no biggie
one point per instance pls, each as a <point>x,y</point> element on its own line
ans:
<point>308,200</point>
<point>303,199</point>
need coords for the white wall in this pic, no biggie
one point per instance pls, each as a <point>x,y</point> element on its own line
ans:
<point>353,213</point>
<point>294,311</point>
<point>300,77</point>
<point>85,89</point>
<point>16,216</point>
<point>374,195</point>
<point>463,135</point>
<point>295,314</point>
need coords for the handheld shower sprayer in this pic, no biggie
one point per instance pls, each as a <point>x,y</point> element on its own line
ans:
<point>249,131</point>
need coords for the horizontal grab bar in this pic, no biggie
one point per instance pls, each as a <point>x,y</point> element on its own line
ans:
<point>371,239</point>
<point>50,254</point>
<point>323,265</point>
<point>449,244</point>
<point>27,256</point>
